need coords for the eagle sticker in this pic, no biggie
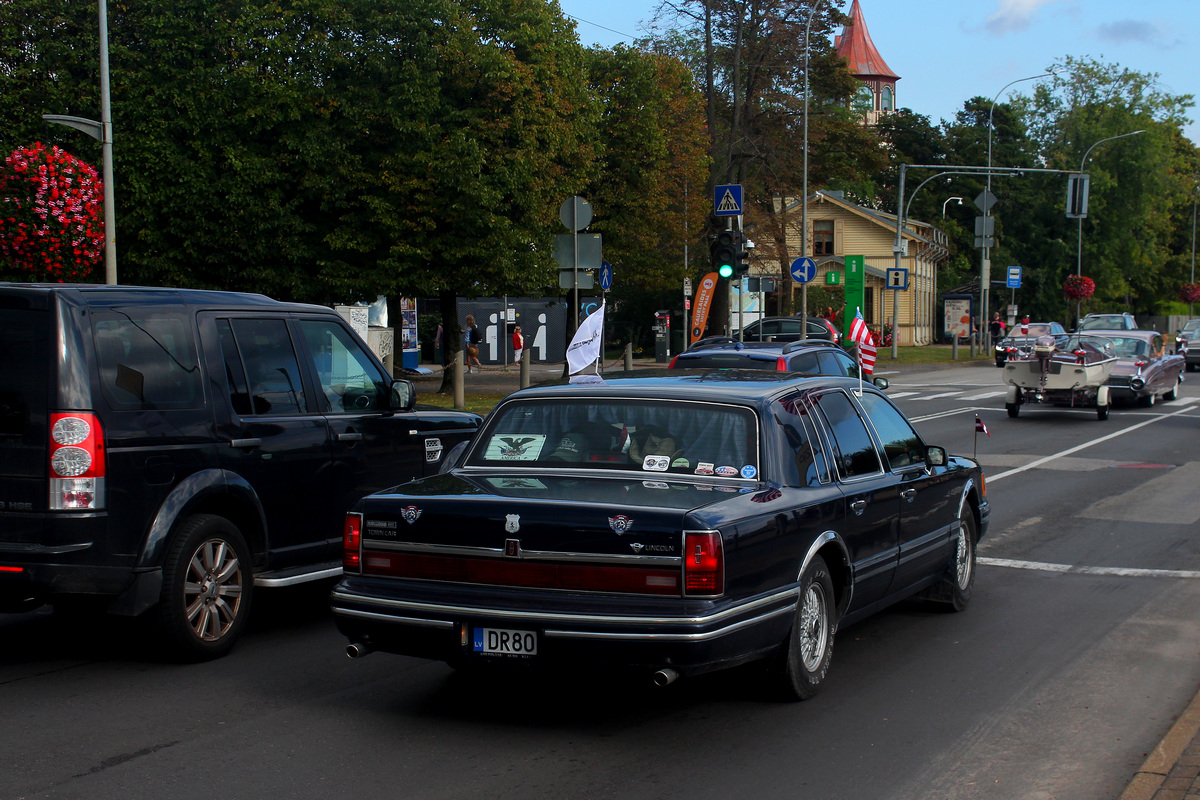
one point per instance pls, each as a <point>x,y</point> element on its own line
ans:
<point>514,447</point>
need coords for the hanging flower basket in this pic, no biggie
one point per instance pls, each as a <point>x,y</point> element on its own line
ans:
<point>50,214</point>
<point>1190,293</point>
<point>1079,287</point>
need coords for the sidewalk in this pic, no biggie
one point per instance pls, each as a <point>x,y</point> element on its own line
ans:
<point>1172,770</point>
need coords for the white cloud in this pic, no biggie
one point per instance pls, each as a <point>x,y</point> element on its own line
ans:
<point>1132,30</point>
<point>1014,15</point>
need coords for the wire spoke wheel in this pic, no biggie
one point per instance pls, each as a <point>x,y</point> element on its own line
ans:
<point>814,627</point>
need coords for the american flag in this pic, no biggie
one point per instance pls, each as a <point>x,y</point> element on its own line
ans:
<point>860,333</point>
<point>980,427</point>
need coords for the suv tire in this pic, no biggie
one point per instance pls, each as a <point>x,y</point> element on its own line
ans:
<point>207,588</point>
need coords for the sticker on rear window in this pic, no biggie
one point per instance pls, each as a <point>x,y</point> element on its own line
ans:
<point>749,471</point>
<point>656,463</point>
<point>727,472</point>
<point>514,447</point>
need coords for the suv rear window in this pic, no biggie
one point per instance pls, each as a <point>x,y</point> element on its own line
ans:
<point>147,361</point>
<point>726,360</point>
<point>24,369</point>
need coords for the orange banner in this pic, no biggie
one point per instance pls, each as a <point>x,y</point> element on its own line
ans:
<point>708,286</point>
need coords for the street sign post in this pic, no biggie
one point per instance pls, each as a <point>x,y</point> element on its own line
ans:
<point>897,279</point>
<point>606,275</point>
<point>1014,277</point>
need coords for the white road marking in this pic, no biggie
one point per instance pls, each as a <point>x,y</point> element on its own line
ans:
<point>985,395</point>
<point>943,394</point>
<point>898,395</point>
<point>1072,569</point>
<point>1085,445</point>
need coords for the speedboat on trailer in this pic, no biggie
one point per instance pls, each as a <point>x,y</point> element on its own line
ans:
<point>1071,374</point>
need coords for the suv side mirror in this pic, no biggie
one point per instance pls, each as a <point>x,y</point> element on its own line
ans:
<point>880,383</point>
<point>935,456</point>
<point>404,395</point>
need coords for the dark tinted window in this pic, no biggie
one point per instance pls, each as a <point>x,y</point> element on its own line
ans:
<point>271,366</point>
<point>901,445</point>
<point>24,368</point>
<point>235,372</point>
<point>805,362</point>
<point>725,360</point>
<point>837,363</point>
<point>147,360</point>
<point>793,414</point>
<point>854,450</point>
<point>347,376</point>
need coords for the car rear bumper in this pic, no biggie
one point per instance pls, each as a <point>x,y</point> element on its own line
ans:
<point>45,555</point>
<point>438,622</point>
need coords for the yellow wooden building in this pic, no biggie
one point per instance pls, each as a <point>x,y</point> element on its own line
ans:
<point>838,228</point>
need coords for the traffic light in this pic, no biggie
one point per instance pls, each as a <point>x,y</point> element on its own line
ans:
<point>726,249</point>
<point>741,260</point>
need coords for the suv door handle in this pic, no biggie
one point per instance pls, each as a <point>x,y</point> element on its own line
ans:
<point>245,442</point>
<point>858,506</point>
<point>349,437</point>
<point>909,494</point>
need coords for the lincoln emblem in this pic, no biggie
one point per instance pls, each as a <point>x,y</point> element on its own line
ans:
<point>512,523</point>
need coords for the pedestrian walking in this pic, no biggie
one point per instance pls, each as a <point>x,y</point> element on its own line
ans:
<point>996,328</point>
<point>518,342</point>
<point>472,338</point>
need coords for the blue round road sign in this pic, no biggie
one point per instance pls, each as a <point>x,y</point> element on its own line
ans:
<point>804,270</point>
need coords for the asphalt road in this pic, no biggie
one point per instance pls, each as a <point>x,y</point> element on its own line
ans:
<point>1078,649</point>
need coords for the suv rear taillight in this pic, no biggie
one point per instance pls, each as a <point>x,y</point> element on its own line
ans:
<point>76,462</point>
<point>703,564</point>
<point>781,364</point>
<point>672,364</point>
<point>352,543</point>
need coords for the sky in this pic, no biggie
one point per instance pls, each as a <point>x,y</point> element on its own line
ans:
<point>947,51</point>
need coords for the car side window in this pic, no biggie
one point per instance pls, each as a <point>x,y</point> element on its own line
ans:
<point>837,363</point>
<point>801,433</point>
<point>789,326</point>
<point>855,453</point>
<point>768,328</point>
<point>805,362</point>
<point>147,360</point>
<point>272,371</point>
<point>349,379</point>
<point>901,445</point>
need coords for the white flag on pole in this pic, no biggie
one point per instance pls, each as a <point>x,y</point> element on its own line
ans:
<point>585,345</point>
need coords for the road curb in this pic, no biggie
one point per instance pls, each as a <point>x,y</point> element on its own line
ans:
<point>1158,765</point>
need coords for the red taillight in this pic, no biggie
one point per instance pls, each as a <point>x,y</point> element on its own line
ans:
<point>703,564</point>
<point>77,461</point>
<point>11,569</point>
<point>351,542</point>
<point>781,364</point>
<point>673,360</point>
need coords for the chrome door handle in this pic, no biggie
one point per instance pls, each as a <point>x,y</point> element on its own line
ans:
<point>349,437</point>
<point>858,506</point>
<point>909,494</point>
<point>245,442</point>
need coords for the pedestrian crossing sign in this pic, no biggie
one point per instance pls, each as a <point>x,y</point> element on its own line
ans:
<point>727,200</point>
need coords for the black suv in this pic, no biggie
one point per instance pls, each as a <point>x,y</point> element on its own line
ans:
<point>787,329</point>
<point>811,357</point>
<point>173,449</point>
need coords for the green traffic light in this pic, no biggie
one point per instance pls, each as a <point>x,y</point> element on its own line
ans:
<point>725,270</point>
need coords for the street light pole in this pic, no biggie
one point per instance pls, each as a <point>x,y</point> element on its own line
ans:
<point>1079,235</point>
<point>985,261</point>
<point>804,180</point>
<point>1193,280</point>
<point>948,199</point>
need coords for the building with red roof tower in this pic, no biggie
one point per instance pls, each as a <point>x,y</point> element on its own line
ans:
<point>878,93</point>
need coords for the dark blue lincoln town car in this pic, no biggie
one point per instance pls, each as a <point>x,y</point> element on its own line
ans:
<point>673,524</point>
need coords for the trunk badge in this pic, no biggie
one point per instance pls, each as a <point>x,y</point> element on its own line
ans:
<point>512,548</point>
<point>637,546</point>
<point>410,514</point>
<point>620,524</point>
<point>512,523</point>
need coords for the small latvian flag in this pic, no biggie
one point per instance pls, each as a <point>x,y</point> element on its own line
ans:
<point>980,427</point>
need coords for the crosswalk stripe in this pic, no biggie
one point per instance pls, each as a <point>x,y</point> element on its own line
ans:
<point>943,394</point>
<point>898,395</point>
<point>984,395</point>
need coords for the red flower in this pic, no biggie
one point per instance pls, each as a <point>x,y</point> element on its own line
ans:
<point>1190,292</point>
<point>1079,287</point>
<point>48,209</point>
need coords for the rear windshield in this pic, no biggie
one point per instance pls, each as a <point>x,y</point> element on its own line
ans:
<point>24,369</point>
<point>725,361</point>
<point>601,433</point>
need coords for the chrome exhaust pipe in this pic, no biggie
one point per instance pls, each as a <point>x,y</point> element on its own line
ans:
<point>358,649</point>
<point>665,677</point>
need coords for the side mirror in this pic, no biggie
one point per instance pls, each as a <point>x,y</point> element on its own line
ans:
<point>404,395</point>
<point>880,383</point>
<point>935,456</point>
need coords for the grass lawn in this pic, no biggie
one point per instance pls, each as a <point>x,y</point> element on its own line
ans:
<point>479,402</point>
<point>930,354</point>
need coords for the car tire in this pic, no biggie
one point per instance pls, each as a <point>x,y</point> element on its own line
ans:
<point>1102,412</point>
<point>960,576</point>
<point>207,588</point>
<point>1146,400</point>
<point>1014,409</point>
<point>1171,395</point>
<point>800,667</point>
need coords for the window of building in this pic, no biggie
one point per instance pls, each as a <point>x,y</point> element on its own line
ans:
<point>823,237</point>
<point>886,100</point>
<point>864,100</point>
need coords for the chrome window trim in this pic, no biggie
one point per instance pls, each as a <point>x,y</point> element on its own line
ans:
<point>526,555</point>
<point>791,594</point>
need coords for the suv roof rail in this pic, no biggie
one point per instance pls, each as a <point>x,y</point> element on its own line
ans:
<point>796,345</point>
<point>712,341</point>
